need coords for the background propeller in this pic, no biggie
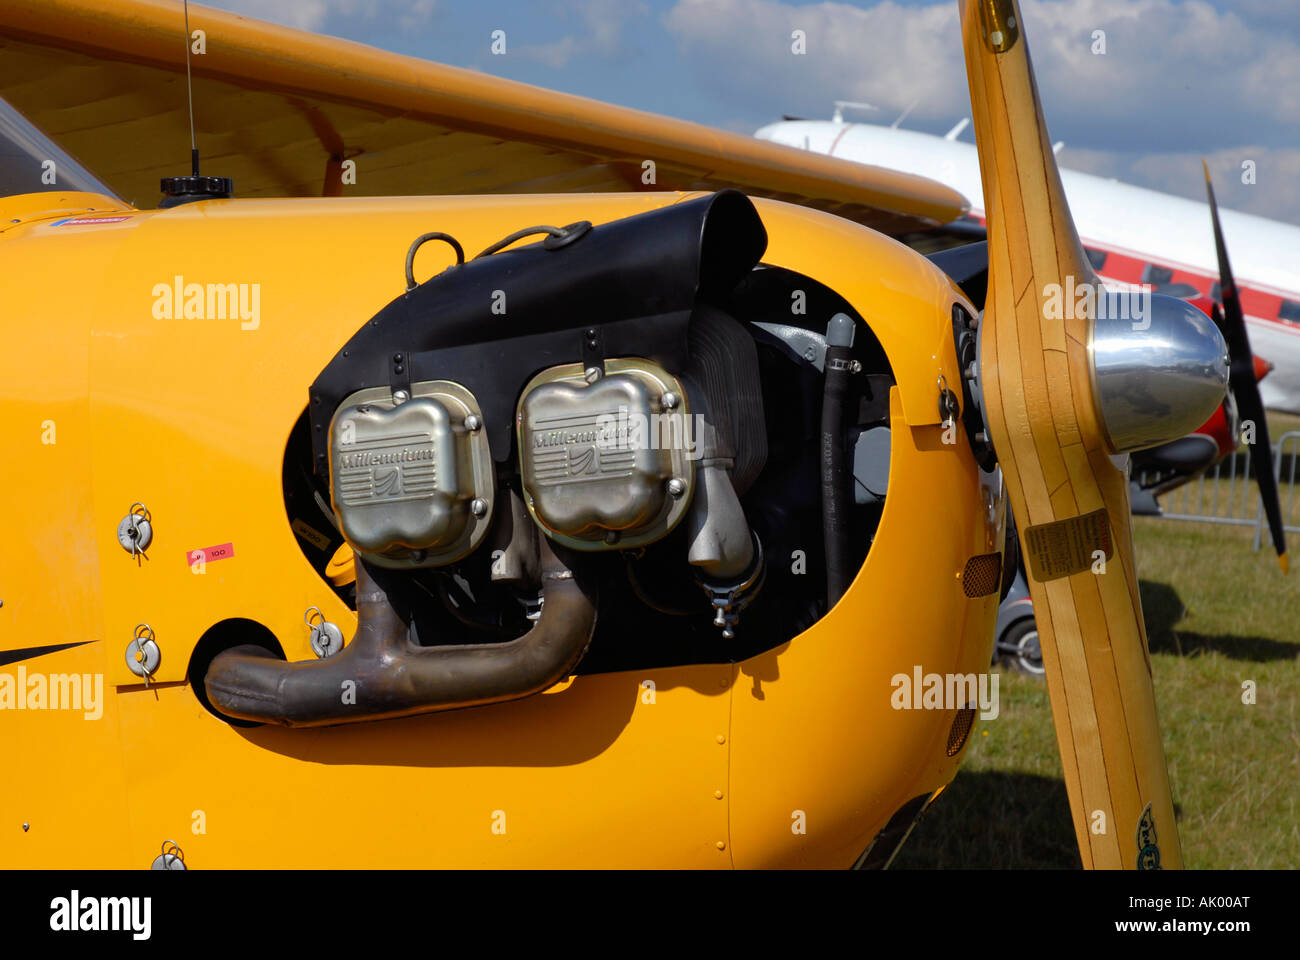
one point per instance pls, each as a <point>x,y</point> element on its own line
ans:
<point>1245,383</point>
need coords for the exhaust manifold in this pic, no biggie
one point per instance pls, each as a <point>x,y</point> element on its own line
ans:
<point>383,674</point>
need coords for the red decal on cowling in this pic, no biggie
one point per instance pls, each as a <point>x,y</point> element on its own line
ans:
<point>222,551</point>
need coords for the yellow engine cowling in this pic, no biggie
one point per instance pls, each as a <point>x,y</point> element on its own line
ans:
<point>796,757</point>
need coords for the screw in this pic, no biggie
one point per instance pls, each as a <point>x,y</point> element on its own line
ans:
<point>676,486</point>
<point>472,423</point>
<point>591,374</point>
<point>400,396</point>
<point>669,400</point>
<point>478,506</point>
<point>611,537</point>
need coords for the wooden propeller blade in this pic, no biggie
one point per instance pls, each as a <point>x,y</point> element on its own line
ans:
<point>1069,498</point>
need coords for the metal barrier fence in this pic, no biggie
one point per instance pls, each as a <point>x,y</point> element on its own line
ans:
<point>1227,494</point>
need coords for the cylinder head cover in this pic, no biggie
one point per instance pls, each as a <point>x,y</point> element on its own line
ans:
<point>607,461</point>
<point>412,484</point>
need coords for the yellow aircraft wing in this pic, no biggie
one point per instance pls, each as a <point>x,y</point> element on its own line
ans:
<point>280,110</point>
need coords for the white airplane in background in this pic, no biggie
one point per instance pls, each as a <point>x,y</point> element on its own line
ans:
<point>1131,234</point>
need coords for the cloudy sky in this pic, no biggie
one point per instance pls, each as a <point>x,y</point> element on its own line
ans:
<point>1178,79</point>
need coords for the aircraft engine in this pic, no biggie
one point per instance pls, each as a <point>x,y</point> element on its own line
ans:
<point>609,421</point>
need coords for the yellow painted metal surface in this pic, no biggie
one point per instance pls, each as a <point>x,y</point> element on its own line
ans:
<point>191,416</point>
<point>820,756</point>
<point>31,207</point>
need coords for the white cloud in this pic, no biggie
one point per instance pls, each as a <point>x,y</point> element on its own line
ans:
<point>886,55</point>
<point>301,14</point>
<point>603,23</point>
<point>416,14</point>
<point>313,14</point>
<point>1275,192</point>
<point>605,20</point>
<point>554,55</point>
<point>1175,75</point>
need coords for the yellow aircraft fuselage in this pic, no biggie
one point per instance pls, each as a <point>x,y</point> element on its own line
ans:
<point>796,757</point>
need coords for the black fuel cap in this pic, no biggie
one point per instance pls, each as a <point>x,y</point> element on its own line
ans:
<point>178,190</point>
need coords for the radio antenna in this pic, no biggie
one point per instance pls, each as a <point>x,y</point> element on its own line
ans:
<point>178,190</point>
<point>189,90</point>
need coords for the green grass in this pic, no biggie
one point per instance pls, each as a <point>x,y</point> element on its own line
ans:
<point>1280,423</point>
<point>1217,614</point>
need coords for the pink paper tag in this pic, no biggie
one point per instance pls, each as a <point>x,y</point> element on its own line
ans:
<point>208,554</point>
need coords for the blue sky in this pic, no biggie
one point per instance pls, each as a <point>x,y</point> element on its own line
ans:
<point>1178,79</point>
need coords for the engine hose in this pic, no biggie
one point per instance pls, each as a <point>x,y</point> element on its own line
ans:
<point>383,674</point>
<point>835,486</point>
